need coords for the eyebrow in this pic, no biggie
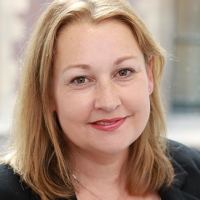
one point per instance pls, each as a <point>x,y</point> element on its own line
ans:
<point>82,66</point>
<point>124,58</point>
<point>87,67</point>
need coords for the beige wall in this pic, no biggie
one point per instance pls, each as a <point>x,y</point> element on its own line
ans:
<point>12,28</point>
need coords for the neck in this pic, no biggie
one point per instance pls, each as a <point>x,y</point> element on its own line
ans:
<point>99,171</point>
<point>92,174</point>
<point>99,165</point>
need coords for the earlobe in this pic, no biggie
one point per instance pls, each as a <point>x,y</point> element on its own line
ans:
<point>150,74</point>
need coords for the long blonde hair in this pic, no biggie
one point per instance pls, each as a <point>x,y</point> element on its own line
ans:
<point>37,149</point>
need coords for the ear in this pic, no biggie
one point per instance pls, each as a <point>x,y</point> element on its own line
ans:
<point>150,75</point>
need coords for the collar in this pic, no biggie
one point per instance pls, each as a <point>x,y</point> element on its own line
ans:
<point>176,191</point>
<point>180,176</point>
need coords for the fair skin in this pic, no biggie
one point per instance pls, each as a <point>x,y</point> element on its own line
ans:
<point>101,94</point>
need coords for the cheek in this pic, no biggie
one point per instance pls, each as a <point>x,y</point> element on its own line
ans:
<point>141,111</point>
<point>138,96</point>
<point>73,108</point>
<point>141,106</point>
<point>138,103</point>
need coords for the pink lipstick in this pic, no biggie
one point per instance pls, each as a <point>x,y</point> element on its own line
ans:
<point>108,124</point>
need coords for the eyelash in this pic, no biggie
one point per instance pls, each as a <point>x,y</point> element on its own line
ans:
<point>128,72</point>
<point>75,80</point>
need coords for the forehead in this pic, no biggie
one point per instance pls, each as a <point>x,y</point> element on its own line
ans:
<point>87,24</point>
<point>88,31</point>
<point>95,43</point>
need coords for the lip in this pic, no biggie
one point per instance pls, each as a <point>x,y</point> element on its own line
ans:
<point>108,124</point>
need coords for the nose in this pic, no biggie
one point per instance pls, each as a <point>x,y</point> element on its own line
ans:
<point>107,96</point>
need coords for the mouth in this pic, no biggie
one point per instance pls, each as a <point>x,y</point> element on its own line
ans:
<point>108,124</point>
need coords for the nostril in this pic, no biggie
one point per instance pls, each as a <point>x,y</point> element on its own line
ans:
<point>107,104</point>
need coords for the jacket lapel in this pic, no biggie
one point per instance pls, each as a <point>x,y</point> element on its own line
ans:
<point>36,197</point>
<point>174,192</point>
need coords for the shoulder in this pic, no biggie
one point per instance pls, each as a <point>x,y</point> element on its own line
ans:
<point>186,164</point>
<point>187,157</point>
<point>11,187</point>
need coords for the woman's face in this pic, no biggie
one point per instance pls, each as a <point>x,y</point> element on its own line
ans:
<point>101,86</point>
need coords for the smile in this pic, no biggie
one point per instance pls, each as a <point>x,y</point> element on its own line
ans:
<point>108,125</point>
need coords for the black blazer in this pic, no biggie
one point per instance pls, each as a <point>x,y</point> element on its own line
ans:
<point>186,185</point>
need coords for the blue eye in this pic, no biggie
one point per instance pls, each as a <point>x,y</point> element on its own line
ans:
<point>80,80</point>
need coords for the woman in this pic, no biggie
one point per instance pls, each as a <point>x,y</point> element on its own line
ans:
<point>89,122</point>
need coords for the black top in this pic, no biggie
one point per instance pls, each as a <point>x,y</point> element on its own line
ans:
<point>186,185</point>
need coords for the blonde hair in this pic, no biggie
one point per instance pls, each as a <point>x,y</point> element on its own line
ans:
<point>37,149</point>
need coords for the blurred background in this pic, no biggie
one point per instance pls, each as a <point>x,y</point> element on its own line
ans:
<point>175,24</point>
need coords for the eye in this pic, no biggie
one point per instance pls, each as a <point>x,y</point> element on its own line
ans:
<point>80,80</point>
<point>124,72</point>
